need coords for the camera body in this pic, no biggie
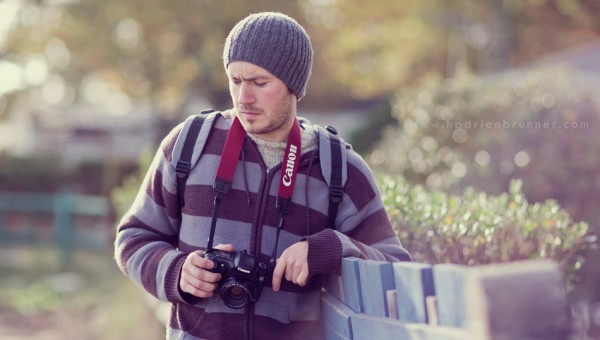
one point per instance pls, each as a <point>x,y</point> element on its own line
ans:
<point>242,276</point>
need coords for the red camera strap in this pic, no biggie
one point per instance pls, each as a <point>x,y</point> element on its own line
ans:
<point>226,171</point>
<point>291,158</point>
<point>231,152</point>
<point>233,148</point>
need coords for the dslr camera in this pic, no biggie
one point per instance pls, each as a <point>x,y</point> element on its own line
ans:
<point>242,276</point>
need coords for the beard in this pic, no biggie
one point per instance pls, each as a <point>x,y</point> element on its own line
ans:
<point>269,123</point>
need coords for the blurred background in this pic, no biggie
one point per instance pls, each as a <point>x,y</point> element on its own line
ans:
<point>480,119</point>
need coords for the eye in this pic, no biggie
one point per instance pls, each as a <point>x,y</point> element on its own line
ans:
<point>260,83</point>
<point>236,81</point>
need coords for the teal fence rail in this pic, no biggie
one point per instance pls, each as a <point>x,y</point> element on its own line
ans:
<point>65,219</point>
<point>380,300</point>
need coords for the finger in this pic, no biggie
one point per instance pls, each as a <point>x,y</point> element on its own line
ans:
<point>289,271</point>
<point>198,267</point>
<point>278,274</point>
<point>224,247</point>
<point>202,285</point>
<point>188,288</point>
<point>201,274</point>
<point>302,277</point>
<point>295,268</point>
<point>200,262</point>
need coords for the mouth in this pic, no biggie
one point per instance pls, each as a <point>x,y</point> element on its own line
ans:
<point>249,114</point>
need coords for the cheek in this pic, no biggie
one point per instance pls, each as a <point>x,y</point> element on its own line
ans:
<point>274,96</point>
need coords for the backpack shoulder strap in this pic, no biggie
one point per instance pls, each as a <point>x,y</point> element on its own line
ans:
<point>333,159</point>
<point>189,146</point>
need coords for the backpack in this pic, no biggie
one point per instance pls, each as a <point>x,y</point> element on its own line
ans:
<point>197,128</point>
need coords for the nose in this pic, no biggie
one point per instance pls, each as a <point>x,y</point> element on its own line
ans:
<point>245,94</point>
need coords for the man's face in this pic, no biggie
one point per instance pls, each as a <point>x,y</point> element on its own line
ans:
<point>263,103</point>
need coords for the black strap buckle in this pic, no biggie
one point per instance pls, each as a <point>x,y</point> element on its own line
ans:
<point>221,186</point>
<point>336,193</point>
<point>182,169</point>
<point>283,205</point>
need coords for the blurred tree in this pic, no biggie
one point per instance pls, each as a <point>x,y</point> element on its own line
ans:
<point>368,51</point>
<point>115,53</point>
<point>165,54</point>
<point>388,45</point>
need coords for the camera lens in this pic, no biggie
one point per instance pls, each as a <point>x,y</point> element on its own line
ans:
<point>235,294</point>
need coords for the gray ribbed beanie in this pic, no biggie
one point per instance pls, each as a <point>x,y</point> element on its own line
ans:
<point>275,42</point>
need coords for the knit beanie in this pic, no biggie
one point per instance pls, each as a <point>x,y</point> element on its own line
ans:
<point>275,42</point>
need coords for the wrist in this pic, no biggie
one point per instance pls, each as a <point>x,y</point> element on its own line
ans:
<point>324,252</point>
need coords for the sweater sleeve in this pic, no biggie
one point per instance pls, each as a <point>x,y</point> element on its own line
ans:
<point>363,228</point>
<point>147,236</point>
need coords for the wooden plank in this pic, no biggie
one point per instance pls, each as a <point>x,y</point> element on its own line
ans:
<point>336,318</point>
<point>519,300</point>
<point>392,306</point>
<point>432,312</point>
<point>414,283</point>
<point>449,282</point>
<point>376,278</point>
<point>333,285</point>
<point>63,227</point>
<point>428,332</point>
<point>26,202</point>
<point>90,205</point>
<point>331,334</point>
<point>64,207</point>
<point>351,290</point>
<point>368,327</point>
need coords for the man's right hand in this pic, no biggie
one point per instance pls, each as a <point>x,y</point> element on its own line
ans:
<point>195,277</point>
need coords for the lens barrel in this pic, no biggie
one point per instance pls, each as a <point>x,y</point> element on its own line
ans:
<point>235,294</point>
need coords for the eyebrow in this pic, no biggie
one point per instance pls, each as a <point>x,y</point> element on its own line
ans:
<point>253,78</point>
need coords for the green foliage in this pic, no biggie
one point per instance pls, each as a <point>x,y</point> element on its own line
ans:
<point>475,228</point>
<point>539,125</point>
<point>36,298</point>
<point>123,196</point>
<point>92,300</point>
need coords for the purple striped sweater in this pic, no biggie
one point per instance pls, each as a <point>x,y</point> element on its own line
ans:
<point>156,234</point>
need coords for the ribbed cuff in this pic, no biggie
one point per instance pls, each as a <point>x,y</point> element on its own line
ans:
<point>172,276</point>
<point>324,252</point>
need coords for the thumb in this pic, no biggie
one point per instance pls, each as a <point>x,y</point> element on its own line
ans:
<point>224,247</point>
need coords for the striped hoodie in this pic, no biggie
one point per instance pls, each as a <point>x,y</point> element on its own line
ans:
<point>156,234</point>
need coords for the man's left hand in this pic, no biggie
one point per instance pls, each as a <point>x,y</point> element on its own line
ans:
<point>293,262</point>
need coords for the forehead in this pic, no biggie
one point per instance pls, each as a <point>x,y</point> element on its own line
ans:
<point>245,70</point>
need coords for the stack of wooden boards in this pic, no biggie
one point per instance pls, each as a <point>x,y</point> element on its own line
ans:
<point>382,300</point>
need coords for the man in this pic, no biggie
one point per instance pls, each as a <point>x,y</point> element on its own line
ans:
<point>161,241</point>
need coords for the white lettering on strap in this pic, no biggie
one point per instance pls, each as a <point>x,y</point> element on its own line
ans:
<point>289,167</point>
